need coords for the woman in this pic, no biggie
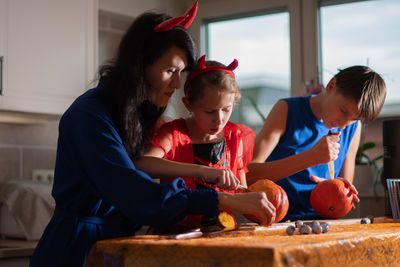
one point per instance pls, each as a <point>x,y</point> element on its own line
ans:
<point>98,191</point>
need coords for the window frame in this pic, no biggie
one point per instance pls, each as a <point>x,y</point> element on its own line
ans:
<point>212,11</point>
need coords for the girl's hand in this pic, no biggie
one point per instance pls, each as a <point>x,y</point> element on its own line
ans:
<point>223,177</point>
<point>326,149</point>
<point>347,183</point>
<point>255,203</point>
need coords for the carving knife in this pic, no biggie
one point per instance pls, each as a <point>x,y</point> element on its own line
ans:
<point>331,165</point>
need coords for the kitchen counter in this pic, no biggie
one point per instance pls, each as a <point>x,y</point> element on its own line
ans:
<point>12,248</point>
<point>348,243</point>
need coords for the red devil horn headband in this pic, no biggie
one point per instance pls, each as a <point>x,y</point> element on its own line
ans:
<point>184,21</point>
<point>202,67</point>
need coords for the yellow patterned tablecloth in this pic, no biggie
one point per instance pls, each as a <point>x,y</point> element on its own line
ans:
<point>348,243</point>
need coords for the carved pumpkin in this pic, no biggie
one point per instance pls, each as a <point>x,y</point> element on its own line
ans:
<point>224,221</point>
<point>275,194</point>
<point>331,199</point>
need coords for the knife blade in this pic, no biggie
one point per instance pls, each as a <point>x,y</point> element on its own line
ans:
<point>188,235</point>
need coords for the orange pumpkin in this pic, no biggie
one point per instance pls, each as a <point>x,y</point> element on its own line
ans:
<point>275,194</point>
<point>331,199</point>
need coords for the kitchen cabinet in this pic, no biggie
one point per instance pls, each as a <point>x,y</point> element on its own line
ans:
<point>49,50</point>
<point>16,252</point>
<point>15,262</point>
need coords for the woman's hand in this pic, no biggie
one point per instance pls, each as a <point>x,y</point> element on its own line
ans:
<point>347,184</point>
<point>326,149</point>
<point>223,177</point>
<point>255,203</point>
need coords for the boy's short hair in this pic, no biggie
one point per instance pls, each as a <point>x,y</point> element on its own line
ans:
<point>365,87</point>
<point>220,80</point>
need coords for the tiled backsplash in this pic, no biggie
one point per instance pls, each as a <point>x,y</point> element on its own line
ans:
<point>27,147</point>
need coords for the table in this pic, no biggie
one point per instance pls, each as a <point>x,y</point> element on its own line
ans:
<point>348,243</point>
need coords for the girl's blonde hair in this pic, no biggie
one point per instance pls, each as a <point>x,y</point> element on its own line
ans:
<point>221,81</point>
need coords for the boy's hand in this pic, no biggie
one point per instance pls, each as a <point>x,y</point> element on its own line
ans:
<point>326,149</point>
<point>347,183</point>
<point>223,177</point>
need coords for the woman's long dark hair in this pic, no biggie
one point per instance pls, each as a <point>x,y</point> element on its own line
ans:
<point>125,80</point>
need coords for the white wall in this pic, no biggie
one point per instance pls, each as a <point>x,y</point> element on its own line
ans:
<point>129,7</point>
<point>133,8</point>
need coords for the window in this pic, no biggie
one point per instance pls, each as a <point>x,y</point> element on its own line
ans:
<point>261,44</point>
<point>363,33</point>
<point>282,48</point>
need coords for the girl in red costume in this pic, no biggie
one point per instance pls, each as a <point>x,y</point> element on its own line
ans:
<point>207,137</point>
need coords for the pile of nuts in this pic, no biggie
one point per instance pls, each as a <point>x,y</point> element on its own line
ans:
<point>305,228</point>
<point>316,227</point>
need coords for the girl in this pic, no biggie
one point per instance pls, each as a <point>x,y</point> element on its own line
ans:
<point>207,137</point>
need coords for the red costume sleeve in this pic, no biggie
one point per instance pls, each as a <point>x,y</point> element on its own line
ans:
<point>247,142</point>
<point>240,143</point>
<point>163,137</point>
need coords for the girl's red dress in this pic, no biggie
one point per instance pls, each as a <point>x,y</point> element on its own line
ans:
<point>239,142</point>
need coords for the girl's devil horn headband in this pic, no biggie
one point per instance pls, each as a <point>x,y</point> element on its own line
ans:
<point>202,67</point>
<point>184,21</point>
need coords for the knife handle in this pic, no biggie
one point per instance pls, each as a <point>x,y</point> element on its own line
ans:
<point>242,188</point>
<point>331,165</point>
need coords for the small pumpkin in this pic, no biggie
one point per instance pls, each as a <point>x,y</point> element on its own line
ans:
<point>331,199</point>
<point>275,194</point>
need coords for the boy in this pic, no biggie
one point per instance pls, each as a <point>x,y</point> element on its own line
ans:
<point>294,144</point>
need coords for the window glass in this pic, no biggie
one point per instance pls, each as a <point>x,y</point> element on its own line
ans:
<point>261,44</point>
<point>363,33</point>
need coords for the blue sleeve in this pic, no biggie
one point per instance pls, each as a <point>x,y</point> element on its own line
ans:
<point>111,173</point>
